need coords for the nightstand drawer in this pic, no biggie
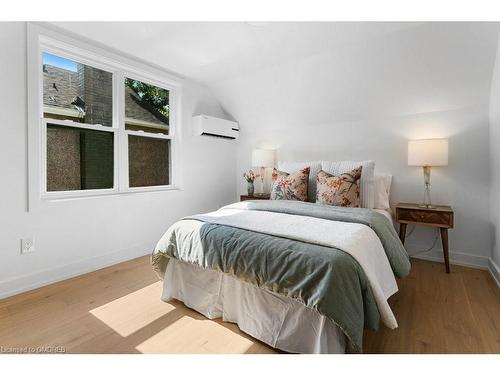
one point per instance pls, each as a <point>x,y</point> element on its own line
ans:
<point>258,196</point>
<point>444,219</point>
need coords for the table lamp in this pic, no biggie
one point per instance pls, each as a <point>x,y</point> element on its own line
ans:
<point>427,153</point>
<point>262,159</point>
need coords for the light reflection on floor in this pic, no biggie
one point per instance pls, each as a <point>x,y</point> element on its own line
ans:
<point>130,313</point>
<point>153,326</point>
<point>189,335</point>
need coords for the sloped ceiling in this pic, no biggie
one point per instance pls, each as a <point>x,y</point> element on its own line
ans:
<point>364,68</point>
<point>213,51</point>
<point>426,68</point>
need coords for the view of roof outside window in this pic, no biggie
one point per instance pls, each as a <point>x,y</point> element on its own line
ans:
<point>79,159</point>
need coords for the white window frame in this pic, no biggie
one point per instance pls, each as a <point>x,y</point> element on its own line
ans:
<point>172,119</point>
<point>41,39</point>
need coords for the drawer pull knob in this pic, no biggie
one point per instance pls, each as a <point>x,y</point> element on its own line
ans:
<point>422,216</point>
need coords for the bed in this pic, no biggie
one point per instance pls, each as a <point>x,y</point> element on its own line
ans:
<point>301,277</point>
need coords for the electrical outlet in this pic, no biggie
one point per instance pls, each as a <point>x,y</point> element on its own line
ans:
<point>27,245</point>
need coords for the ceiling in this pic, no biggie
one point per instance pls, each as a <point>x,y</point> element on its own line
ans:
<point>213,51</point>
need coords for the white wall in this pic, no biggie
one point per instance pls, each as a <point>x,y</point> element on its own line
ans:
<point>355,101</point>
<point>495,165</point>
<point>76,236</point>
<point>364,100</point>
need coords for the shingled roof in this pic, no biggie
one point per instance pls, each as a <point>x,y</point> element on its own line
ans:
<point>60,89</point>
<point>139,110</point>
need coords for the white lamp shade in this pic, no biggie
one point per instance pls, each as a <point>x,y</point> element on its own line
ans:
<point>428,152</point>
<point>262,158</point>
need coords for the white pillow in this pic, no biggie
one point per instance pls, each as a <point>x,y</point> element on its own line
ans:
<point>367,186</point>
<point>295,166</point>
<point>382,191</point>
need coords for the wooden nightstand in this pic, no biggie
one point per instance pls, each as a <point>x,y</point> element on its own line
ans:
<point>259,196</point>
<point>438,216</point>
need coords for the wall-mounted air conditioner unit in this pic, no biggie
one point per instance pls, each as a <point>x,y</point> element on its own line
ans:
<point>215,127</point>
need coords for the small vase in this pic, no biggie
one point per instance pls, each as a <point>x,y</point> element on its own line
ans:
<point>250,188</point>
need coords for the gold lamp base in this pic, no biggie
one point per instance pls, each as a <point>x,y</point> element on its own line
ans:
<point>427,190</point>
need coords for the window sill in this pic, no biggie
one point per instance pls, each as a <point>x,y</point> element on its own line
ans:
<point>79,195</point>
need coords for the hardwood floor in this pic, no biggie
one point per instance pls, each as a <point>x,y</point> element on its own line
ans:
<point>437,312</point>
<point>118,310</point>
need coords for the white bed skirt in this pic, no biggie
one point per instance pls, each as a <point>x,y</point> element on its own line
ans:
<point>279,321</point>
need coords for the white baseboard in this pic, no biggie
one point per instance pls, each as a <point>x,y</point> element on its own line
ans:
<point>494,271</point>
<point>38,279</point>
<point>461,259</point>
<point>44,277</point>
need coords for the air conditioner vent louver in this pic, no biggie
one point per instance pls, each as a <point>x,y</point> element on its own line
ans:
<point>215,127</point>
<point>218,135</point>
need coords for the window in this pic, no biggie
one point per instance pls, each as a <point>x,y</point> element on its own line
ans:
<point>78,159</point>
<point>76,92</point>
<point>147,123</point>
<point>106,127</point>
<point>148,163</point>
<point>76,95</point>
<point>146,107</point>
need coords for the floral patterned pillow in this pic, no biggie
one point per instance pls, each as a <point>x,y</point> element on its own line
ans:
<point>290,186</point>
<point>340,190</point>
